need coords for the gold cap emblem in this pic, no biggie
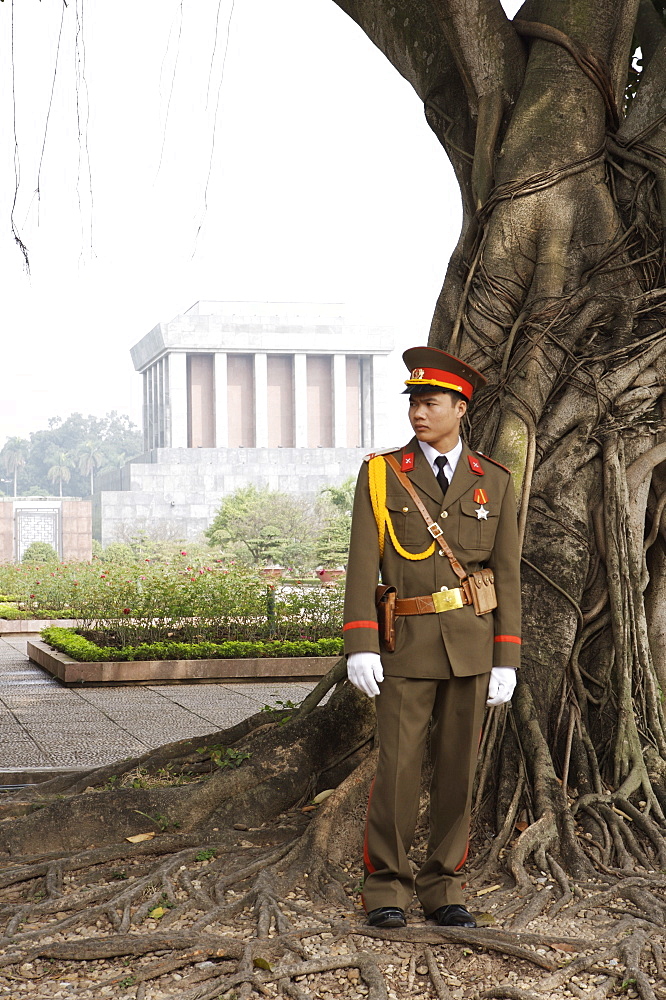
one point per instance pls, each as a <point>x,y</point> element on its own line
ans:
<point>418,373</point>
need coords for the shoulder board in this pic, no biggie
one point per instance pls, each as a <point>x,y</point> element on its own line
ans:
<point>384,451</point>
<point>498,464</point>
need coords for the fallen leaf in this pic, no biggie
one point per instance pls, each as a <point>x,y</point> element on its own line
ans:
<point>569,948</point>
<point>491,888</point>
<point>246,843</point>
<point>323,796</point>
<point>484,919</point>
<point>308,809</point>
<point>521,825</point>
<point>158,912</point>
<point>261,963</point>
<point>139,838</point>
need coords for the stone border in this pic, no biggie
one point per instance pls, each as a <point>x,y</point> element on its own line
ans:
<point>73,672</point>
<point>9,625</point>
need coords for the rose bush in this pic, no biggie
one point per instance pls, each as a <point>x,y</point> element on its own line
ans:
<point>185,598</point>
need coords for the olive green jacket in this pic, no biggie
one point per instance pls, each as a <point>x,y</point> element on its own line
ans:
<point>433,645</point>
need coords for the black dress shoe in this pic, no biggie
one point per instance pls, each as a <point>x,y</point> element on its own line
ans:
<point>453,915</point>
<point>386,916</point>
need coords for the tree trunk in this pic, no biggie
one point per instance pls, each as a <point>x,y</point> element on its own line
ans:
<point>555,292</point>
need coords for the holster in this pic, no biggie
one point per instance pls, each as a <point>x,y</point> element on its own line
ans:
<point>479,588</point>
<point>385,602</point>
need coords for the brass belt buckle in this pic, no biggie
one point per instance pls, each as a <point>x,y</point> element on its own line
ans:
<point>447,600</point>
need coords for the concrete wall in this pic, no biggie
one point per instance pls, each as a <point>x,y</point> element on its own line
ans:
<point>175,492</point>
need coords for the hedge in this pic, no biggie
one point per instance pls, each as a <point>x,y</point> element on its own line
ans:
<point>79,648</point>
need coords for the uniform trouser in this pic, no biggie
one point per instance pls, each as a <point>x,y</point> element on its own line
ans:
<point>404,709</point>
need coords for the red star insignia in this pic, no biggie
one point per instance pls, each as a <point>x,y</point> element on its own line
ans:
<point>407,462</point>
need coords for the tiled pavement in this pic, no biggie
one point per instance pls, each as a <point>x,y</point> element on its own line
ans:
<point>44,725</point>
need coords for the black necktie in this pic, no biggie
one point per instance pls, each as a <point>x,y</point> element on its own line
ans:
<point>440,462</point>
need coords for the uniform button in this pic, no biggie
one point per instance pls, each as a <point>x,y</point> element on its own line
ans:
<point>443,588</point>
<point>445,513</point>
<point>440,553</point>
<point>405,509</point>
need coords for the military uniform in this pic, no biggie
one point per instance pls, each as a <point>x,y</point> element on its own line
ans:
<point>441,662</point>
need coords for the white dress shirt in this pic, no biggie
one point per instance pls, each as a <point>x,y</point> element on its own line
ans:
<point>451,458</point>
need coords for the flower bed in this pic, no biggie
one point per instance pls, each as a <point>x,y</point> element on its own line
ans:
<point>82,649</point>
<point>169,671</point>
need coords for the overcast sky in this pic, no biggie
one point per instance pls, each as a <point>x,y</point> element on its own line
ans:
<point>154,172</point>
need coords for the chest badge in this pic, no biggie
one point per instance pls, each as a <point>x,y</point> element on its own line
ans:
<point>407,462</point>
<point>475,466</point>
<point>480,496</point>
<point>482,513</point>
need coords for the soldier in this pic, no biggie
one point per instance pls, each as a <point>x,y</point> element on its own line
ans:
<point>426,517</point>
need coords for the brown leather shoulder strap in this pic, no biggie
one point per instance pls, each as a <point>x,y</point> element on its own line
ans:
<point>433,527</point>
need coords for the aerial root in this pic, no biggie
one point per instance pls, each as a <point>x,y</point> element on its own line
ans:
<point>541,833</point>
<point>509,993</point>
<point>481,938</point>
<point>367,965</point>
<point>536,905</point>
<point>630,951</point>
<point>439,986</point>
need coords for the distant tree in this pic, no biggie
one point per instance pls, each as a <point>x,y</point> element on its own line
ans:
<point>341,497</point>
<point>113,438</point>
<point>90,458</point>
<point>268,526</point>
<point>332,545</point>
<point>61,469</point>
<point>14,456</point>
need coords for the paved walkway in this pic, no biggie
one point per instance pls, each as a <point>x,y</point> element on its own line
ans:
<point>44,725</point>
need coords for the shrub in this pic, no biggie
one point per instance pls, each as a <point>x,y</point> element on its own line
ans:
<point>85,651</point>
<point>40,552</point>
<point>118,552</point>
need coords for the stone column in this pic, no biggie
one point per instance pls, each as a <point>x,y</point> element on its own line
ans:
<point>300,401</point>
<point>370,392</point>
<point>178,399</point>
<point>339,401</point>
<point>221,414</point>
<point>260,401</point>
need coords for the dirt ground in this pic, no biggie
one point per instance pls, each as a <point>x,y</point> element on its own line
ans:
<point>162,919</point>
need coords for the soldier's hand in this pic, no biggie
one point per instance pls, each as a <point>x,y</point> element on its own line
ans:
<point>365,672</point>
<point>501,685</point>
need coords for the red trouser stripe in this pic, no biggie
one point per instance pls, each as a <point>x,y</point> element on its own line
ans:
<point>509,638</point>
<point>360,625</point>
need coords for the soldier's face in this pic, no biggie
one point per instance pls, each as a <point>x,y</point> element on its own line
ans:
<point>435,419</point>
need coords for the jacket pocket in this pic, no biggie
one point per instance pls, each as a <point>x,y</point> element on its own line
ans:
<point>476,532</point>
<point>409,526</point>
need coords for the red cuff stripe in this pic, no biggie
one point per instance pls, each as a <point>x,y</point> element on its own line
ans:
<point>360,625</point>
<point>509,638</point>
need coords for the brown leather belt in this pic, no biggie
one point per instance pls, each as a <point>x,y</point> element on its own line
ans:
<point>442,600</point>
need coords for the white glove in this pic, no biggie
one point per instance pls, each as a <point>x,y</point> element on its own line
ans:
<point>501,685</point>
<point>365,672</point>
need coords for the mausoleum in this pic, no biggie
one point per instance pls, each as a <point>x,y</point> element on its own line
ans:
<point>282,395</point>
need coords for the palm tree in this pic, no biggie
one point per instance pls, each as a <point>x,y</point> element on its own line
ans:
<point>90,458</point>
<point>61,469</point>
<point>14,455</point>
